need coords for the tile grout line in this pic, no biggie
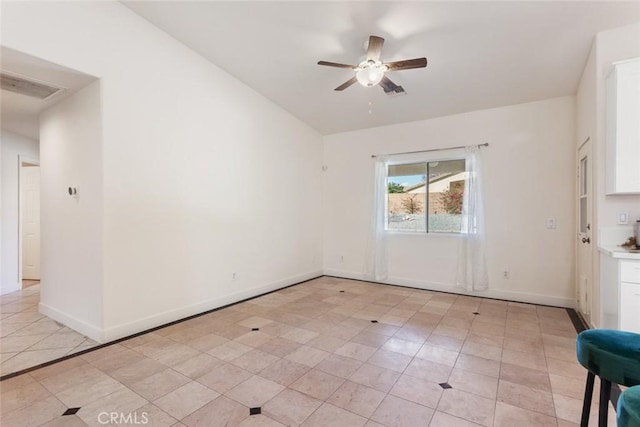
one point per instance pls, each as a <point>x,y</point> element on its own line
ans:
<point>388,393</point>
<point>405,321</point>
<point>546,365</point>
<point>345,380</point>
<point>100,346</point>
<point>495,405</point>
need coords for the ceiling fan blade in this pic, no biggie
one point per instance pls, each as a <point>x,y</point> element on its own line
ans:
<point>375,47</point>
<point>407,64</point>
<point>335,64</point>
<point>346,84</point>
<point>389,86</point>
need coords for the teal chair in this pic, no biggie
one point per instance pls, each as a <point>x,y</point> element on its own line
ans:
<point>614,356</point>
<point>628,412</point>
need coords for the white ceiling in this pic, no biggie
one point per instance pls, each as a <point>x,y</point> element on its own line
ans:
<point>20,113</point>
<point>481,54</point>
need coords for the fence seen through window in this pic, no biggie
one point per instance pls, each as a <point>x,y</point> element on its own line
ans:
<point>426,196</point>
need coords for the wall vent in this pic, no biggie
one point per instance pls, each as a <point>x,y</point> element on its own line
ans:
<point>27,87</point>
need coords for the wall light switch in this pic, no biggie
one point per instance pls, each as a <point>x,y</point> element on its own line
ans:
<point>551,223</point>
<point>623,218</point>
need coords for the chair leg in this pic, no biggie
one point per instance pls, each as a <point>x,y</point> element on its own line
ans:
<point>588,394</point>
<point>605,394</point>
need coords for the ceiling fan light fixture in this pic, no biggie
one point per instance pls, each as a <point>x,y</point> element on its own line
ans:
<point>370,73</point>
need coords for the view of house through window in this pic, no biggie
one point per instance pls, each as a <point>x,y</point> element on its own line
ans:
<point>426,197</point>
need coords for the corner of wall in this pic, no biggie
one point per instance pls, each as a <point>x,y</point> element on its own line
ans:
<point>8,288</point>
<point>91,331</point>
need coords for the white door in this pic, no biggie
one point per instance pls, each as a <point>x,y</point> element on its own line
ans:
<point>584,248</point>
<point>30,189</point>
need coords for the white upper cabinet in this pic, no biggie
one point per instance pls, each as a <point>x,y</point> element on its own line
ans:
<point>623,128</point>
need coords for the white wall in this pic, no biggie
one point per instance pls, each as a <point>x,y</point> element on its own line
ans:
<point>202,176</point>
<point>13,146</point>
<point>71,236</point>
<point>529,177</point>
<point>18,123</point>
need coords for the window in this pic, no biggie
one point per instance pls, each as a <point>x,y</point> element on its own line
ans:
<point>425,196</point>
<point>583,195</point>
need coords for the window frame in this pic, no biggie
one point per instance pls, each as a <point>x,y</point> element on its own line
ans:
<point>426,161</point>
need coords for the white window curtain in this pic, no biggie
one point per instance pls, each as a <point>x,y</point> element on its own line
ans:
<point>472,267</point>
<point>377,246</point>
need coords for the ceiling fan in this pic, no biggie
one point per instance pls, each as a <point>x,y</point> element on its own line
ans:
<point>371,71</point>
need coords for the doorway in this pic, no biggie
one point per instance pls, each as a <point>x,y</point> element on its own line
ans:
<point>29,223</point>
<point>584,248</point>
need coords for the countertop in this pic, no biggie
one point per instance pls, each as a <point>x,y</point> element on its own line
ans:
<point>618,252</point>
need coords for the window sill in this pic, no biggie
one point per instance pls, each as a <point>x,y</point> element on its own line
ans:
<point>422,233</point>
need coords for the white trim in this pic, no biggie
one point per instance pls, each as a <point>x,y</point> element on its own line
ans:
<point>343,274</point>
<point>585,141</point>
<point>423,233</point>
<point>27,159</point>
<point>614,66</point>
<point>22,159</point>
<point>159,319</point>
<point>443,287</point>
<point>78,325</point>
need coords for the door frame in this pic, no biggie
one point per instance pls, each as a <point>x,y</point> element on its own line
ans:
<point>22,159</point>
<point>589,232</point>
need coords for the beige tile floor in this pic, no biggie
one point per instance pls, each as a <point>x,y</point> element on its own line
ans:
<point>28,338</point>
<point>318,360</point>
<point>27,283</point>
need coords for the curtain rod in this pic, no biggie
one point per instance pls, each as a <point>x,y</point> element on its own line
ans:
<point>486,144</point>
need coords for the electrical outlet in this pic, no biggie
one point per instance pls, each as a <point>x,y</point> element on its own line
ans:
<point>234,276</point>
<point>341,258</point>
<point>505,274</point>
<point>551,223</point>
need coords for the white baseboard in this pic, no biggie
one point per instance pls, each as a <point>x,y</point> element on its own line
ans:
<point>78,325</point>
<point>347,274</point>
<point>159,319</point>
<point>11,287</point>
<point>443,287</point>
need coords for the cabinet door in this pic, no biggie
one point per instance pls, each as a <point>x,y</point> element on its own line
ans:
<point>630,307</point>
<point>628,132</point>
<point>622,174</point>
